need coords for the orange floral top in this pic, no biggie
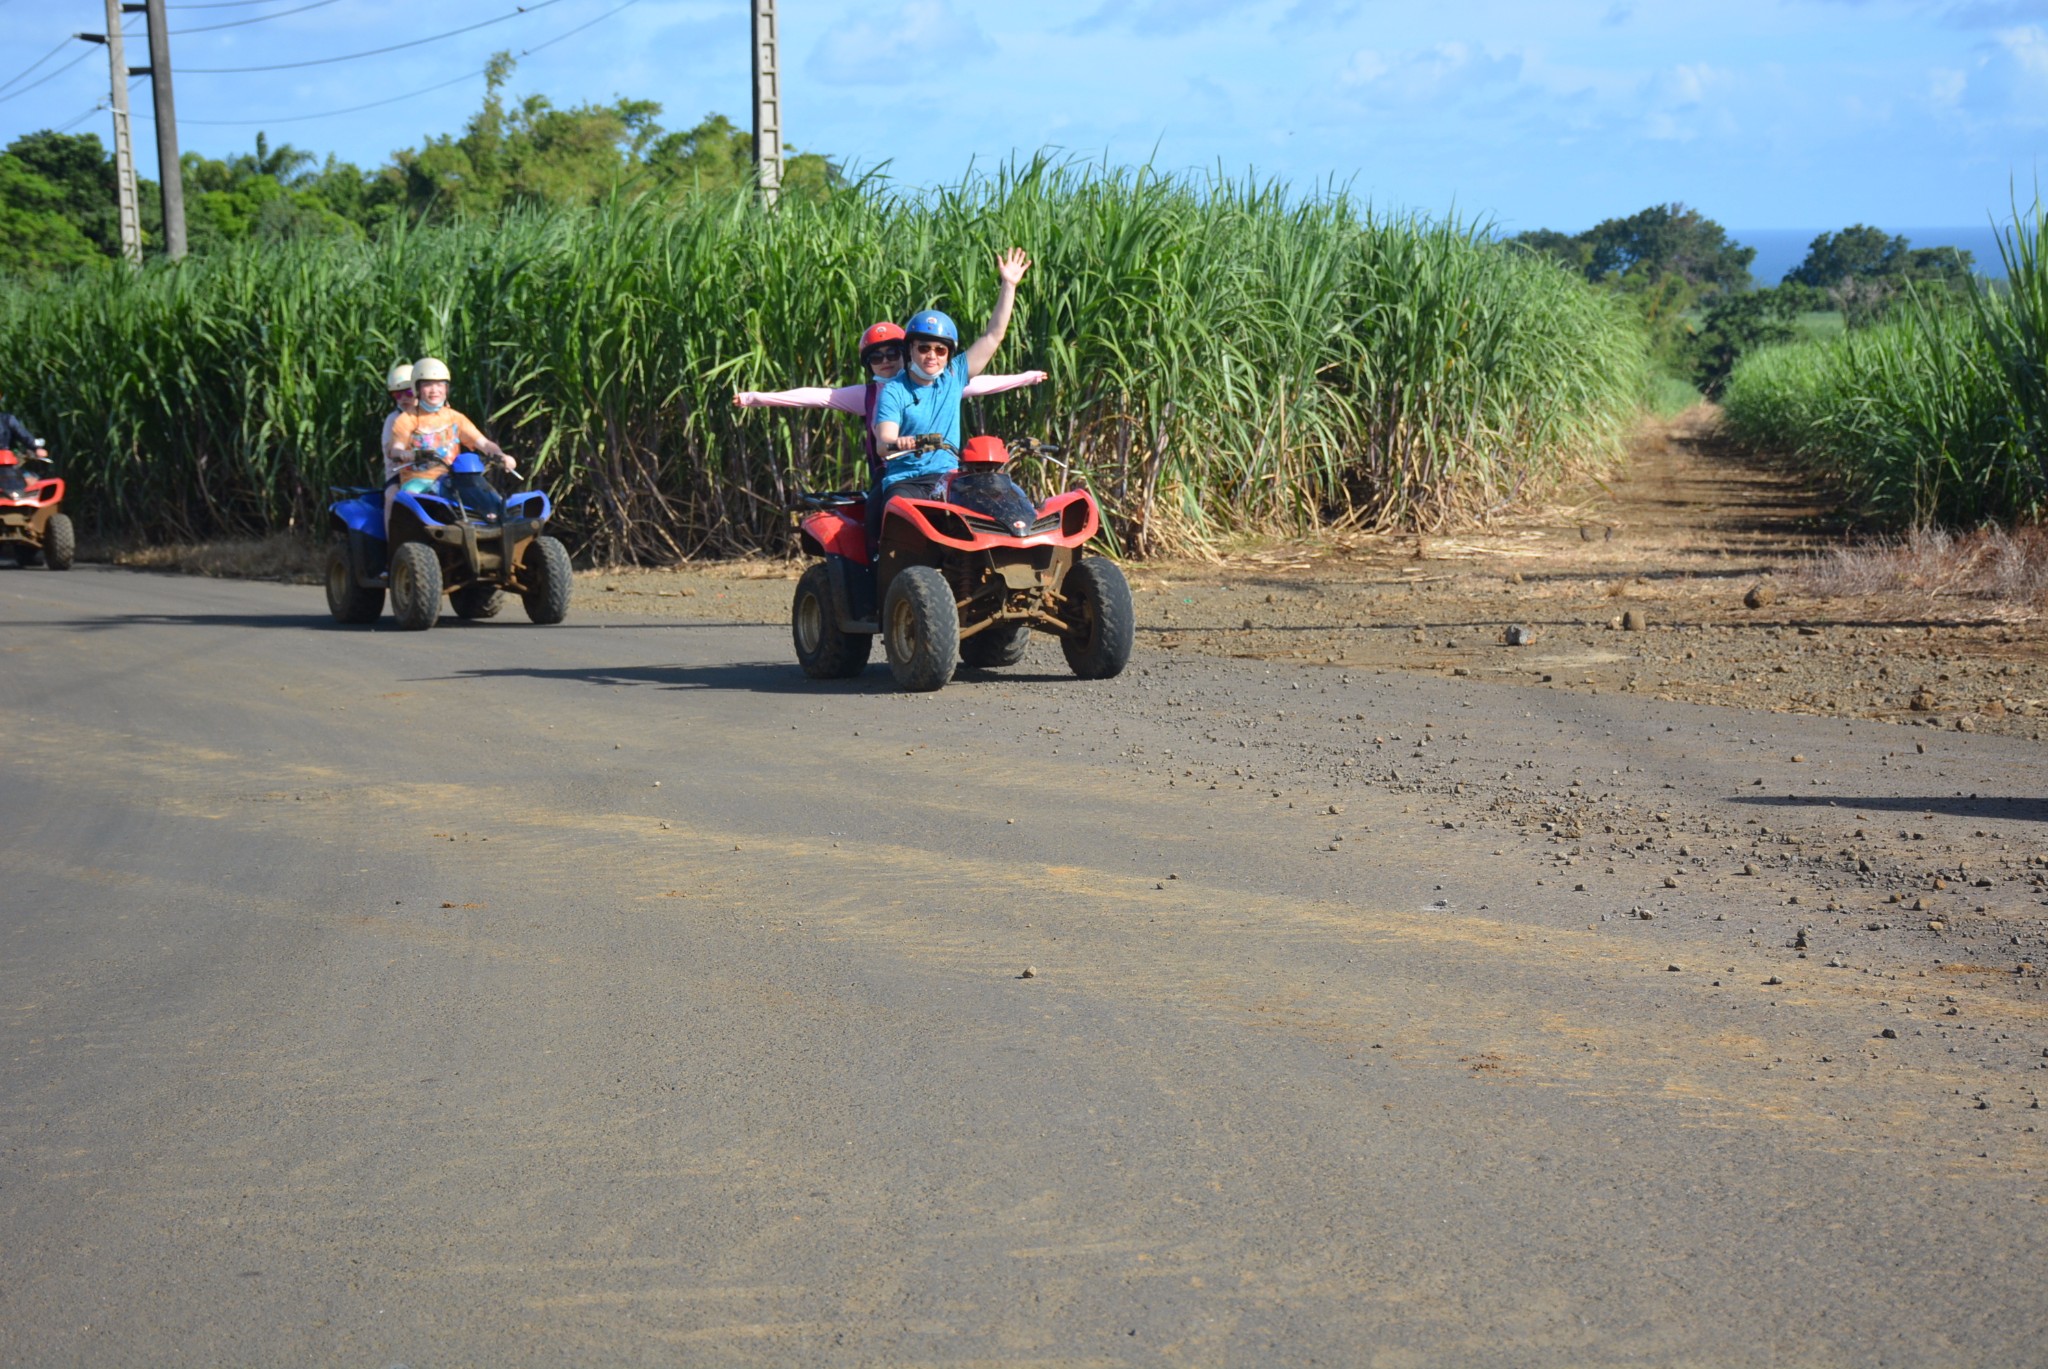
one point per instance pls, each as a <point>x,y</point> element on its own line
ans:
<point>424,439</point>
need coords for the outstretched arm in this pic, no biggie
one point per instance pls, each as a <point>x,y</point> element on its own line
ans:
<point>995,385</point>
<point>847,398</point>
<point>1011,268</point>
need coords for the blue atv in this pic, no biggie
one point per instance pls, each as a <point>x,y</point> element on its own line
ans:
<point>462,539</point>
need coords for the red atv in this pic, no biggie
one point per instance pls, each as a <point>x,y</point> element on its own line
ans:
<point>31,529</point>
<point>966,575</point>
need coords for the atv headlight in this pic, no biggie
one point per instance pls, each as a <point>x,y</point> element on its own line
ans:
<point>948,524</point>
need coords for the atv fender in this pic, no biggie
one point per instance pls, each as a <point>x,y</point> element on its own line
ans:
<point>363,514</point>
<point>853,594</point>
<point>836,532</point>
<point>366,554</point>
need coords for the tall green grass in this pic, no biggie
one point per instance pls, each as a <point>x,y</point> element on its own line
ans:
<point>1938,416</point>
<point>1223,356</point>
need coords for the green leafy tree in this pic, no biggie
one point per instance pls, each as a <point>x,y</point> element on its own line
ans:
<point>1860,252</point>
<point>1735,325</point>
<point>1663,240</point>
<point>1569,250</point>
<point>80,169</point>
<point>37,235</point>
<point>509,154</point>
<point>1668,240</point>
<point>268,194</point>
<point>530,152</point>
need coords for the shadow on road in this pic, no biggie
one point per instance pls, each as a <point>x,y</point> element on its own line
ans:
<point>1955,805</point>
<point>752,677</point>
<point>304,622</point>
<point>321,622</point>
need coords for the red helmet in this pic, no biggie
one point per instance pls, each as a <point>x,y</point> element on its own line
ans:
<point>877,335</point>
<point>984,451</point>
<point>8,458</point>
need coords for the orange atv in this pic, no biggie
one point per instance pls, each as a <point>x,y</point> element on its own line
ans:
<point>31,529</point>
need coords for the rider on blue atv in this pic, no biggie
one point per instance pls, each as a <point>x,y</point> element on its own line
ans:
<point>423,443</point>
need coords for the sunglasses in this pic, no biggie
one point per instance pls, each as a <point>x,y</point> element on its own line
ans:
<point>939,347</point>
<point>889,352</point>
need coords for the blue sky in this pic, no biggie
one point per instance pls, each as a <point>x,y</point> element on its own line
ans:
<point>1764,113</point>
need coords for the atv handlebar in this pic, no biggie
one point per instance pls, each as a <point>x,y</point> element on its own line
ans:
<point>835,499</point>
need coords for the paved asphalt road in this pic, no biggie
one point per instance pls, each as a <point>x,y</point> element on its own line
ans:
<point>610,994</point>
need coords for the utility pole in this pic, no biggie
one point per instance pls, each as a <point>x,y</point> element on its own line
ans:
<point>169,175</point>
<point>127,209</point>
<point>767,101</point>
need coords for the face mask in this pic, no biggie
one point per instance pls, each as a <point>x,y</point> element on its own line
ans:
<point>432,408</point>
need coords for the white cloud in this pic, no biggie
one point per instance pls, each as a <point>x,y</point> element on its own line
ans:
<point>2028,46</point>
<point>1692,84</point>
<point>1365,67</point>
<point>1445,71</point>
<point>883,46</point>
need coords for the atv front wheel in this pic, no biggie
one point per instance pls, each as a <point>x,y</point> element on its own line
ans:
<point>822,649</point>
<point>348,601</point>
<point>60,542</point>
<point>415,586</point>
<point>477,601</point>
<point>1000,645</point>
<point>547,569</point>
<point>1099,610</point>
<point>920,629</point>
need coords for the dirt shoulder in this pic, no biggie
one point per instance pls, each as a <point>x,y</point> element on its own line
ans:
<point>1637,585</point>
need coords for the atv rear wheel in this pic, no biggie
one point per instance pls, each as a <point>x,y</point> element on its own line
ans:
<point>1000,645</point>
<point>822,649</point>
<point>1099,609</point>
<point>348,601</point>
<point>60,542</point>
<point>415,586</point>
<point>546,567</point>
<point>477,601</point>
<point>920,629</point>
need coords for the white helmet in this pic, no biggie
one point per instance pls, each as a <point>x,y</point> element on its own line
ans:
<point>430,368</point>
<point>399,377</point>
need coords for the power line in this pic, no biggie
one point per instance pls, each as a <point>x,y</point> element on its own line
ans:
<point>373,52</point>
<point>99,108</point>
<point>259,19</point>
<point>51,77</point>
<point>407,95</point>
<point>220,5</point>
<point>67,38</point>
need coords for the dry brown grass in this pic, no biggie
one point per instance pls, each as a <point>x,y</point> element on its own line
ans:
<point>280,556</point>
<point>2008,567</point>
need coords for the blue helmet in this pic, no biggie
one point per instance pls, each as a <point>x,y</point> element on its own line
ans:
<point>930,323</point>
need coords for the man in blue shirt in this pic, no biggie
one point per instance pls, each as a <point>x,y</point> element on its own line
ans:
<point>925,395</point>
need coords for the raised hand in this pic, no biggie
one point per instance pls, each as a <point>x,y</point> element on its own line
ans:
<point>1012,265</point>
